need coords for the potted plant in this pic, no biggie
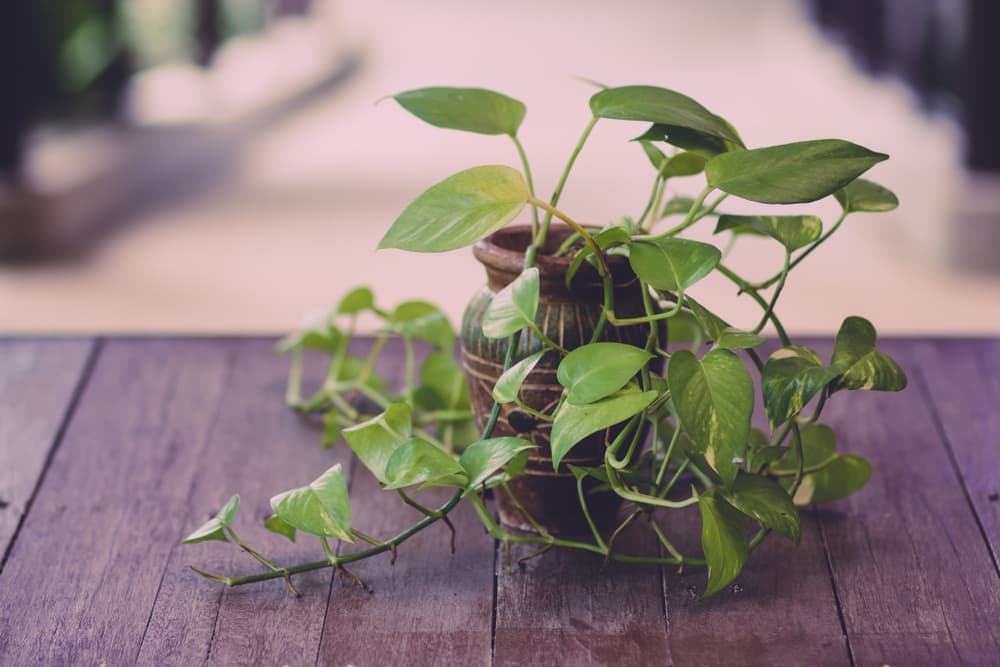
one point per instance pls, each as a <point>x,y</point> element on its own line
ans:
<point>595,375</point>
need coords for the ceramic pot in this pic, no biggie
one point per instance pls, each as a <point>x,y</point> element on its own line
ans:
<point>569,317</point>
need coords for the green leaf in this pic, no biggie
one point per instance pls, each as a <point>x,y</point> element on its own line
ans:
<point>819,445</point>
<point>459,210</point>
<point>673,264</point>
<point>844,475</point>
<point>714,400</point>
<point>765,501</point>
<point>442,383</point>
<point>861,196</point>
<point>417,461</point>
<point>331,429</point>
<point>591,372</point>
<point>692,141</point>
<point>513,307</point>
<point>485,457</point>
<point>723,539</point>
<point>319,334</point>
<point>858,364</point>
<point>665,107</point>
<point>719,331</point>
<point>277,525</point>
<point>677,205</point>
<point>425,321</point>
<point>655,155</point>
<point>791,378</point>
<point>467,109</point>
<point>357,300</point>
<point>214,528</point>
<point>323,508</point>
<point>508,386</point>
<point>791,173</point>
<point>792,231</point>
<point>573,423</point>
<point>351,369</point>
<point>685,164</point>
<point>375,440</point>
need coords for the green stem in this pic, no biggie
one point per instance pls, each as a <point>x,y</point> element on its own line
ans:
<point>602,262</point>
<point>664,541</point>
<point>293,393</point>
<point>548,341</point>
<point>557,193</point>
<point>666,457</point>
<point>755,295</point>
<point>539,528</point>
<point>805,253</point>
<point>691,217</point>
<point>777,293</point>
<point>529,180</point>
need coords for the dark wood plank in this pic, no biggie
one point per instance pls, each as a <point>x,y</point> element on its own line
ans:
<point>962,377</point>
<point>38,379</point>
<point>780,610</point>
<point>83,575</point>
<point>559,608</point>
<point>256,448</point>
<point>914,577</point>
<point>431,607</point>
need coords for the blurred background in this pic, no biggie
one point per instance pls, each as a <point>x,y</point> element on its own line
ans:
<point>221,166</point>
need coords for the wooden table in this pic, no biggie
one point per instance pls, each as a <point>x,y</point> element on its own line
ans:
<point>111,450</point>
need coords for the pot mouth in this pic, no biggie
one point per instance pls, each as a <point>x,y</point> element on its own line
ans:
<point>502,253</point>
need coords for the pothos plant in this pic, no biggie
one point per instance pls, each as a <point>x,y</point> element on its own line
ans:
<point>703,449</point>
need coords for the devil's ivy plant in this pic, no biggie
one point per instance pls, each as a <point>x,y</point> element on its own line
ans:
<point>699,410</point>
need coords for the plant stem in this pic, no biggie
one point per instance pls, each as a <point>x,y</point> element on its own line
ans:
<point>755,295</point>
<point>602,268</point>
<point>777,293</point>
<point>805,253</point>
<point>529,180</point>
<point>557,193</point>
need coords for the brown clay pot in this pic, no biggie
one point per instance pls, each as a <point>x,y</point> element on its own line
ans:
<point>569,317</point>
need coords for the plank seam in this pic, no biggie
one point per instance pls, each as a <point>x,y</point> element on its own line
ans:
<point>74,401</point>
<point>949,450</point>
<point>496,602</point>
<point>833,585</point>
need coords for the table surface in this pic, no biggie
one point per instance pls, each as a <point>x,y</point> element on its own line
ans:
<point>111,450</point>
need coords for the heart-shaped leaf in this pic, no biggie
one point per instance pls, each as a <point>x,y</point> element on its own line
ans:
<point>483,458</point>
<point>513,307</point>
<point>278,526</point>
<point>864,196</point>
<point>673,264</point>
<point>677,205</point>
<point>843,476</point>
<point>858,364</point>
<point>662,106</point>
<point>357,300</point>
<point>425,321</point>
<point>417,461</point>
<point>718,330</point>
<point>323,508</point>
<point>791,377</point>
<point>713,398</point>
<point>591,372</point>
<point>375,440</point>
<point>682,164</point>
<point>319,334</point>
<point>791,173</point>
<point>792,231</point>
<point>819,447</point>
<point>767,502</point>
<point>459,210</point>
<point>214,528</point>
<point>509,384</point>
<point>573,423</point>
<point>691,141</point>
<point>442,383</point>
<point>723,540</point>
<point>467,109</point>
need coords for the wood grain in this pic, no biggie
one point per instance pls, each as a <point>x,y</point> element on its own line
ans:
<point>962,377</point>
<point>915,580</point>
<point>559,608</point>
<point>38,379</point>
<point>257,448</point>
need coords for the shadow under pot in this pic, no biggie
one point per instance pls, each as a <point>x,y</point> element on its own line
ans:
<point>569,317</point>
